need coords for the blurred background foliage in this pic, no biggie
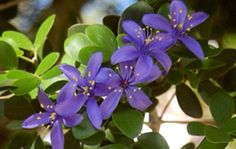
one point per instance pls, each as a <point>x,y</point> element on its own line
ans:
<point>217,74</point>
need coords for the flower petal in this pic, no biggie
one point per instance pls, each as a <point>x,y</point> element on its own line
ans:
<point>66,92</point>
<point>155,73</point>
<point>72,74</point>
<point>70,106</point>
<point>178,12</point>
<point>163,59</point>
<point>72,120</point>
<point>105,74</point>
<point>93,65</point>
<point>194,20</point>
<point>94,113</point>
<point>163,42</point>
<point>157,21</point>
<point>110,103</point>
<point>101,89</point>
<point>193,46</point>
<point>45,102</point>
<point>134,31</point>
<point>125,53</point>
<point>143,67</point>
<point>137,98</point>
<point>57,137</point>
<point>36,120</point>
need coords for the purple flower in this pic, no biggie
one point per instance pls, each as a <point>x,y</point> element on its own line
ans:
<point>180,23</point>
<point>144,46</point>
<point>55,115</point>
<point>87,87</point>
<point>125,83</point>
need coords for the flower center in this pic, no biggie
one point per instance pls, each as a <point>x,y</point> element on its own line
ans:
<point>124,83</point>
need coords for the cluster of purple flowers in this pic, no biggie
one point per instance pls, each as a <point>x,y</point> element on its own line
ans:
<point>137,64</point>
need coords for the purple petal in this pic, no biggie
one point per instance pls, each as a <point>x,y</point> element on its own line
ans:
<point>126,69</point>
<point>72,105</point>
<point>134,31</point>
<point>143,67</point>
<point>137,98</point>
<point>125,53</point>
<point>155,73</point>
<point>193,46</point>
<point>163,42</point>
<point>72,120</point>
<point>110,103</point>
<point>157,21</point>
<point>36,120</point>
<point>127,39</point>
<point>57,137</point>
<point>163,59</point>
<point>45,102</point>
<point>94,65</point>
<point>66,92</point>
<point>178,12</point>
<point>105,74</point>
<point>72,73</point>
<point>94,113</point>
<point>101,89</point>
<point>194,20</point>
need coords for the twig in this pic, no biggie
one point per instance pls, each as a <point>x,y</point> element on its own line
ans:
<point>167,105</point>
<point>209,121</point>
<point>9,4</point>
<point>27,59</point>
<point>7,96</point>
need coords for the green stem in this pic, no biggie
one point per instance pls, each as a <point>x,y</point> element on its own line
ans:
<point>27,59</point>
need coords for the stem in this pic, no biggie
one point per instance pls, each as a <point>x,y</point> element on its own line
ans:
<point>27,59</point>
<point>7,96</point>
<point>209,121</point>
<point>167,105</point>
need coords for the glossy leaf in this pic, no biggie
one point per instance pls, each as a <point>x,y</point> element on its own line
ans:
<point>230,80</point>
<point>71,142</point>
<point>128,120</point>
<point>216,135</point>
<point>114,146</point>
<point>54,71</point>
<point>94,139</point>
<point>13,44</point>
<point>188,101</point>
<point>152,140</point>
<point>189,146</point>
<point>230,126</point>
<point>47,63</point>
<point>43,31</point>
<point>175,77</point>
<point>20,39</point>
<point>84,129</point>
<point>104,38</point>
<point>21,140</point>
<point>76,28</point>
<point>196,128</point>
<point>205,64</point>
<point>221,107</point>
<point>205,144</point>
<point>8,58</point>
<point>86,52</point>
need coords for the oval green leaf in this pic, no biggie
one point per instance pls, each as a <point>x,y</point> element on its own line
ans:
<point>47,63</point>
<point>188,101</point>
<point>8,58</point>
<point>216,135</point>
<point>196,128</point>
<point>128,120</point>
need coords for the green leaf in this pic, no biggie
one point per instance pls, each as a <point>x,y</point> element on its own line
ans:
<point>8,58</point>
<point>76,28</point>
<point>135,12</point>
<point>205,144</point>
<point>54,71</point>
<point>189,146</point>
<point>24,81</point>
<point>114,146</point>
<point>38,143</point>
<point>86,52</point>
<point>19,108</point>
<point>21,140</point>
<point>216,135</point>
<point>47,63</point>
<point>205,64</point>
<point>71,142</point>
<point>104,38</point>
<point>13,44</point>
<point>229,40</point>
<point>188,101</point>
<point>196,128</point>
<point>94,139</point>
<point>20,39</point>
<point>66,59</point>
<point>230,80</point>
<point>207,89</point>
<point>128,120</point>
<point>43,31</point>
<point>84,130</point>
<point>74,43</point>
<point>221,107</point>
<point>193,79</point>
<point>164,9</point>
<point>230,126</point>
<point>152,140</point>
<point>175,76</point>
